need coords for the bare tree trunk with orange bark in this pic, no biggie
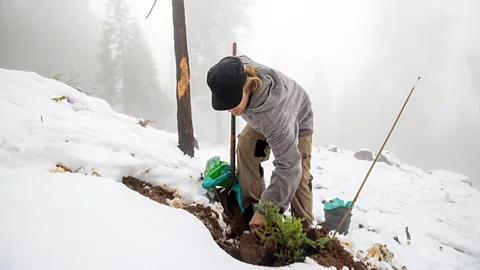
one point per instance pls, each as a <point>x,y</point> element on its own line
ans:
<point>184,111</point>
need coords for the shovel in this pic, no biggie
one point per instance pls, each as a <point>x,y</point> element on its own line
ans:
<point>224,194</point>
<point>226,197</point>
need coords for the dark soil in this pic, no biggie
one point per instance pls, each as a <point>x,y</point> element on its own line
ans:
<point>210,220</point>
<point>333,254</point>
<point>247,247</point>
<point>155,193</point>
<point>253,252</point>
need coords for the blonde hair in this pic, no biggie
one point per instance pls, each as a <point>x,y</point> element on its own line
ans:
<point>253,82</point>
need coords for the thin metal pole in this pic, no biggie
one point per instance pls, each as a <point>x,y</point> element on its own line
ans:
<point>376,158</point>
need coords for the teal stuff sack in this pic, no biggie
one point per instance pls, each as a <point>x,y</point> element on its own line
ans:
<point>217,173</point>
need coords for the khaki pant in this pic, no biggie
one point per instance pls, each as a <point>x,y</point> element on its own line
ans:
<point>253,149</point>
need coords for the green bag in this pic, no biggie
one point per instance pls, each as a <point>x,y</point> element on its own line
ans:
<point>217,173</point>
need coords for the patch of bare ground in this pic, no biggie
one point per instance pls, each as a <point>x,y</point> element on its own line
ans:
<point>247,247</point>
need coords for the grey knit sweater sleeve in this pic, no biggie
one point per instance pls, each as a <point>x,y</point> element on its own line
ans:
<point>282,137</point>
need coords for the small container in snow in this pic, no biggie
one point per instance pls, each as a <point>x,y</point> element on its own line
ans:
<point>334,211</point>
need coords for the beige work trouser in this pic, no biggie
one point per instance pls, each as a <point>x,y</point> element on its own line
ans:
<point>253,149</point>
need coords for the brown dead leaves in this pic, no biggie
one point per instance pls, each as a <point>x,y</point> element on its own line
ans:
<point>144,123</point>
<point>59,168</point>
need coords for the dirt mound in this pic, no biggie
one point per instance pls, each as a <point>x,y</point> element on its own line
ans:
<point>333,254</point>
<point>155,193</point>
<point>210,219</point>
<point>253,252</point>
<point>247,248</point>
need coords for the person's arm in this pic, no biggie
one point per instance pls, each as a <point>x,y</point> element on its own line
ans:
<point>282,138</point>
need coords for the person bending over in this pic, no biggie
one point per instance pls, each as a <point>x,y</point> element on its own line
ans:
<point>279,119</point>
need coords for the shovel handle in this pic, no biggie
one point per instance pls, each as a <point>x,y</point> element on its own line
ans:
<point>232,153</point>
<point>232,137</point>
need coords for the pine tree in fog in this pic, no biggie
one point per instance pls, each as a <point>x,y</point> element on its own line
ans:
<point>128,76</point>
<point>50,37</point>
<point>109,75</point>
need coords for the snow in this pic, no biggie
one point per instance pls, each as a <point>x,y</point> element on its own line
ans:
<point>60,221</point>
<point>85,221</point>
<point>437,213</point>
<point>85,134</point>
<point>440,208</point>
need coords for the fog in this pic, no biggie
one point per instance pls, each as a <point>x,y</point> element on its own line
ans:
<point>357,60</point>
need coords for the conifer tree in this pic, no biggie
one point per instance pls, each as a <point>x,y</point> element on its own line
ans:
<point>128,76</point>
<point>50,37</point>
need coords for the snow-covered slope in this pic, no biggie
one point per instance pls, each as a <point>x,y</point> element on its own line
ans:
<point>440,211</point>
<point>82,221</point>
<point>83,133</point>
<point>65,221</point>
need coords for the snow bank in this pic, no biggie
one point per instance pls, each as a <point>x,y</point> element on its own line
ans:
<point>79,221</point>
<point>65,221</point>
<point>71,221</point>
<point>84,133</point>
<point>439,209</point>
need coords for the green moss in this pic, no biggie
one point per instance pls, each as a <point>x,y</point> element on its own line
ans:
<point>57,99</point>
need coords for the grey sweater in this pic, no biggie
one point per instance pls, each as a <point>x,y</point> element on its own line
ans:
<point>281,111</point>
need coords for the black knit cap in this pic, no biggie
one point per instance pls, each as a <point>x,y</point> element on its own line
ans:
<point>226,80</point>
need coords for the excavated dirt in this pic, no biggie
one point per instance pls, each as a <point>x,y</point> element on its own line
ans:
<point>247,247</point>
<point>155,193</point>
<point>333,254</point>
<point>210,220</point>
<point>253,252</point>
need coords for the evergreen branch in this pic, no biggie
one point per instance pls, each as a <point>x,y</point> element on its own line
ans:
<point>151,9</point>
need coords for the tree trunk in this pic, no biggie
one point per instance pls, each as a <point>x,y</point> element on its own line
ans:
<point>184,111</point>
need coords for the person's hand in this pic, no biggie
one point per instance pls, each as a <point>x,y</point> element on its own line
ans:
<point>257,222</point>
<point>237,111</point>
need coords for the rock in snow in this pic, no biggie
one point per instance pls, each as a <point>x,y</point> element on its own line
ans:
<point>364,154</point>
